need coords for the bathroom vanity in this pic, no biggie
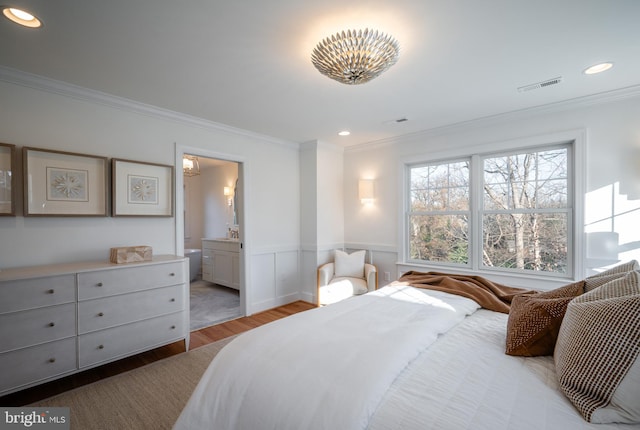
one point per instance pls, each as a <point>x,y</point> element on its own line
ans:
<point>221,262</point>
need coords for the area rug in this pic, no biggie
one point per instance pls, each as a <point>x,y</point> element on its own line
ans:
<point>150,397</point>
<point>212,304</point>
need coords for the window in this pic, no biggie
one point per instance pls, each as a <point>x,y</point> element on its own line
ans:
<point>440,212</point>
<point>508,212</point>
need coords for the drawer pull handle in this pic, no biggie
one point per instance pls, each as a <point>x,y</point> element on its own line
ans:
<point>51,291</point>
<point>100,346</point>
<point>52,324</point>
<point>173,327</point>
<point>101,314</point>
<point>172,274</point>
<point>99,284</point>
<point>172,300</point>
<point>52,360</point>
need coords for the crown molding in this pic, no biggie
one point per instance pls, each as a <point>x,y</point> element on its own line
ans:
<point>564,105</point>
<point>37,82</point>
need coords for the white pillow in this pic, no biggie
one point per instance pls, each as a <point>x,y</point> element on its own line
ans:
<point>349,265</point>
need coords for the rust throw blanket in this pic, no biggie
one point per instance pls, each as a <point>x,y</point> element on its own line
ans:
<point>489,295</point>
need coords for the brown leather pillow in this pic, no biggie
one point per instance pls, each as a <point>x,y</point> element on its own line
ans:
<point>535,319</point>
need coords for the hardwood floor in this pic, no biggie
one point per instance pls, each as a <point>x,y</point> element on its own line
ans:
<point>198,338</point>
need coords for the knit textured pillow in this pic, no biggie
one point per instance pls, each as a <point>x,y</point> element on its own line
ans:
<point>605,277</point>
<point>597,354</point>
<point>534,320</point>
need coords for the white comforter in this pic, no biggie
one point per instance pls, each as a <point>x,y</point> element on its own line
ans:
<point>327,368</point>
<point>467,382</point>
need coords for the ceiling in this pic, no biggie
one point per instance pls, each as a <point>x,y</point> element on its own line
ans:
<point>246,63</point>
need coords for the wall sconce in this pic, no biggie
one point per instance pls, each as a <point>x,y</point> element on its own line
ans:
<point>365,191</point>
<point>190,165</point>
<point>228,193</point>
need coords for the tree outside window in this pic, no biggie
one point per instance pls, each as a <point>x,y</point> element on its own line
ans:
<point>523,205</point>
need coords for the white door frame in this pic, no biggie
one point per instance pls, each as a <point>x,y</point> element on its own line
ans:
<point>243,217</point>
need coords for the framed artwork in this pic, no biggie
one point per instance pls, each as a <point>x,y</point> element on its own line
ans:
<point>7,179</point>
<point>141,189</point>
<point>60,183</point>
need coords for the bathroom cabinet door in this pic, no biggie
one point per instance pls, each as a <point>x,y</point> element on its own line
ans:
<point>223,268</point>
<point>207,265</point>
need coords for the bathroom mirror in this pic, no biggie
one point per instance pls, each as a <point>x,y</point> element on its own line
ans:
<point>235,196</point>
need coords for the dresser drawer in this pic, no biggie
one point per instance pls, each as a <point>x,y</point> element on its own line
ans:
<point>30,365</point>
<point>26,328</point>
<point>106,345</point>
<point>107,312</point>
<point>36,292</point>
<point>103,283</point>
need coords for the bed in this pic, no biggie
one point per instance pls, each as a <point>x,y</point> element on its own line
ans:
<point>398,358</point>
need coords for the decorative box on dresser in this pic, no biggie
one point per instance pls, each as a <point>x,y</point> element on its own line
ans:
<point>60,319</point>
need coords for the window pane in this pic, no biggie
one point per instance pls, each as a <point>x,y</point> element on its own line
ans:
<point>442,238</point>
<point>531,180</point>
<point>552,194</point>
<point>440,187</point>
<point>552,164</point>
<point>535,242</point>
<point>496,196</point>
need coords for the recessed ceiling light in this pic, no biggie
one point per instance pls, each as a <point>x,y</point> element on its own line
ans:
<point>598,68</point>
<point>21,17</point>
<point>344,133</point>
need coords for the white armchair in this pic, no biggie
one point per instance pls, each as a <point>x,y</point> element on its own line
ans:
<point>348,275</point>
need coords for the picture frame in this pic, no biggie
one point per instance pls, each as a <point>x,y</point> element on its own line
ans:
<point>141,189</point>
<point>58,183</point>
<point>8,179</point>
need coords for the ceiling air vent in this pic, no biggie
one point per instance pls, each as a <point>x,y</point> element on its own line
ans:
<point>542,84</point>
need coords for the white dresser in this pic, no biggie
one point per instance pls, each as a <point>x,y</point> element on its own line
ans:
<point>60,319</point>
<point>221,262</point>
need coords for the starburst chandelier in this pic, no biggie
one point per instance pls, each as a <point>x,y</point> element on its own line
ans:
<point>355,57</point>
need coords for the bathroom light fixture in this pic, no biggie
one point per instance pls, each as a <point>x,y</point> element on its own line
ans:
<point>597,68</point>
<point>190,165</point>
<point>228,193</point>
<point>355,56</point>
<point>365,191</point>
<point>22,17</point>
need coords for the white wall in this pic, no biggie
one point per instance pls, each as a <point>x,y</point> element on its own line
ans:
<point>47,114</point>
<point>612,140</point>
<point>322,179</point>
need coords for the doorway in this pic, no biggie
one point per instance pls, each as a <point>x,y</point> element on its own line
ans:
<point>211,230</point>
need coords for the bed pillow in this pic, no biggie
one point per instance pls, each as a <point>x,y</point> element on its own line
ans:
<point>349,265</point>
<point>608,275</point>
<point>597,355</point>
<point>534,320</point>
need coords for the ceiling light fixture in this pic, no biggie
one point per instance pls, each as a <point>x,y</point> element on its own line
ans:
<point>355,57</point>
<point>598,68</point>
<point>22,17</point>
<point>344,133</point>
<point>190,165</point>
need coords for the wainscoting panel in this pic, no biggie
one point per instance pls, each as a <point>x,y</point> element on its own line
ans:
<point>276,279</point>
<point>287,273</point>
